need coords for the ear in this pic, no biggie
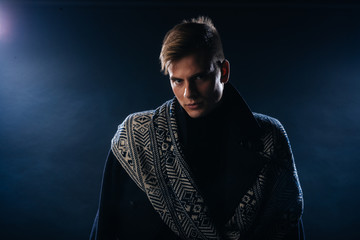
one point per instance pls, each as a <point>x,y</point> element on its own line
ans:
<point>225,71</point>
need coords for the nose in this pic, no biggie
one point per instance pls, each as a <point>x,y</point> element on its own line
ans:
<point>190,90</point>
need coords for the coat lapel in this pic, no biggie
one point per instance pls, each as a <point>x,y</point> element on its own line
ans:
<point>149,149</point>
<point>182,195</point>
<point>176,193</point>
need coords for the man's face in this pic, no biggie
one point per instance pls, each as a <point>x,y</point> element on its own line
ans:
<point>198,83</point>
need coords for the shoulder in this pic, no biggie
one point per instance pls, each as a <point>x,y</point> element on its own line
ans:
<point>134,120</point>
<point>267,122</point>
<point>138,117</point>
<point>270,125</point>
<point>137,124</point>
<point>141,118</point>
<point>275,139</point>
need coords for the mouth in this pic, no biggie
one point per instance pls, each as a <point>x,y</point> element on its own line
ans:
<point>193,105</point>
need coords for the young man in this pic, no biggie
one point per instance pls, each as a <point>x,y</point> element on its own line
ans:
<point>202,165</point>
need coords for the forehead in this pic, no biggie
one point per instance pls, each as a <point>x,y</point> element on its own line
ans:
<point>191,64</point>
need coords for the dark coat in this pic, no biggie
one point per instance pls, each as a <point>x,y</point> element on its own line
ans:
<point>125,211</point>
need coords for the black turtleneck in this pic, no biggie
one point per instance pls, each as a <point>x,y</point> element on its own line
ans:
<point>205,141</point>
<point>220,165</point>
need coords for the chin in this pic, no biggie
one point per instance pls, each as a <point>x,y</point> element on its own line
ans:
<point>196,114</point>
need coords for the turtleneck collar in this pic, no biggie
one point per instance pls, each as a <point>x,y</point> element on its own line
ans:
<point>232,109</point>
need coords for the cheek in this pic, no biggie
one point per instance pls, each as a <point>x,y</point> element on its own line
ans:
<point>173,88</point>
<point>177,92</point>
<point>216,96</point>
<point>212,92</point>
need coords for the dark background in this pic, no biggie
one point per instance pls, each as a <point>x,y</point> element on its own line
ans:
<point>71,71</point>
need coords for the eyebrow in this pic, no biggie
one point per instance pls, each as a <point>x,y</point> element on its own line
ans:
<point>192,76</point>
<point>175,79</point>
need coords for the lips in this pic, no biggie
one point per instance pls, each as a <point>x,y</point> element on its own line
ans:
<point>193,105</point>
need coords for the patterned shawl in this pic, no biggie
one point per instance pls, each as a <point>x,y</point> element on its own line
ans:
<point>147,146</point>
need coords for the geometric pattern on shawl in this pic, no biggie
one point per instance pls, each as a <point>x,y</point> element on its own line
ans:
<point>279,182</point>
<point>147,146</point>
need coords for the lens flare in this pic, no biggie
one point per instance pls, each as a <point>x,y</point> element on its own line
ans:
<point>5,25</point>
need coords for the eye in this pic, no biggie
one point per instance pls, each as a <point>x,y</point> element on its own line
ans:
<point>200,77</point>
<point>177,81</point>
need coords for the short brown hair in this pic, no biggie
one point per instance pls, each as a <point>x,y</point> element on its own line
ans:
<point>195,36</point>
